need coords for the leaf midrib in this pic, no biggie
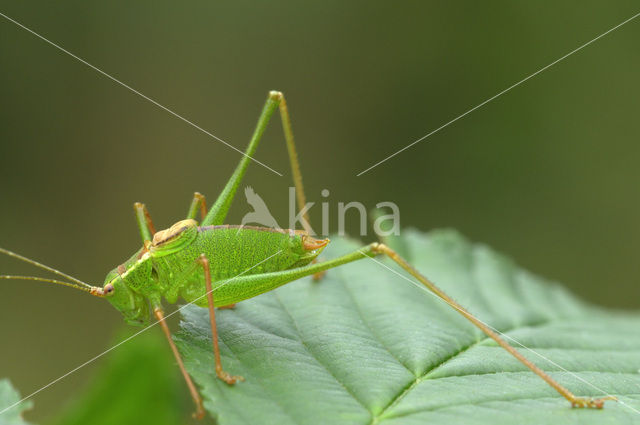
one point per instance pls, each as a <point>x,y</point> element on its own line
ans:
<point>312,353</point>
<point>477,403</point>
<point>395,400</point>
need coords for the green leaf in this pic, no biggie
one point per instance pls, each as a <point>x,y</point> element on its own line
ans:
<point>138,384</point>
<point>365,346</point>
<point>9,396</point>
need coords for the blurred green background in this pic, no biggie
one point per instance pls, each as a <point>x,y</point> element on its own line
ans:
<point>547,173</point>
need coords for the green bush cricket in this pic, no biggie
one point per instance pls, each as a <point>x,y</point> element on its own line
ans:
<point>216,265</point>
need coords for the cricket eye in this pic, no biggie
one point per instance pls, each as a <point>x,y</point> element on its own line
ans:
<point>108,289</point>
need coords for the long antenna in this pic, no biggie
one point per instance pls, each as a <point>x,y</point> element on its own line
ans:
<point>42,266</point>
<point>42,279</point>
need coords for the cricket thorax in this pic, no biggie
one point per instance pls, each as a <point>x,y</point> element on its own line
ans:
<point>175,233</point>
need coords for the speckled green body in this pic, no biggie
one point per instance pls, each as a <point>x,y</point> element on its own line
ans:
<point>168,267</point>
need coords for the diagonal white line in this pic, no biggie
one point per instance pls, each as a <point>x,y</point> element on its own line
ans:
<point>499,94</point>
<point>419,285</point>
<point>175,114</point>
<point>132,336</point>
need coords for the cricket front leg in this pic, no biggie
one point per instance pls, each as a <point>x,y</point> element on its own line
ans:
<point>226,377</point>
<point>199,202</point>
<point>145,224</point>
<point>195,395</point>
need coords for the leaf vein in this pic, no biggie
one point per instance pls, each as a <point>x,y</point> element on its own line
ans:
<point>313,354</point>
<point>426,374</point>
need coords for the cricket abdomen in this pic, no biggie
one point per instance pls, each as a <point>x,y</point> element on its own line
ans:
<point>232,250</point>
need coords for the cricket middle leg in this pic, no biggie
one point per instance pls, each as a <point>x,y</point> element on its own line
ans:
<point>226,377</point>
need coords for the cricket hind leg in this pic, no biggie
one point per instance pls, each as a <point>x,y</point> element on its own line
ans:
<point>195,395</point>
<point>220,208</point>
<point>145,224</point>
<point>199,202</point>
<point>221,373</point>
<point>276,279</point>
<point>301,198</point>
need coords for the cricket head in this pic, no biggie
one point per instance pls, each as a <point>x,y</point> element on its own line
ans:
<point>133,306</point>
<point>137,272</point>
